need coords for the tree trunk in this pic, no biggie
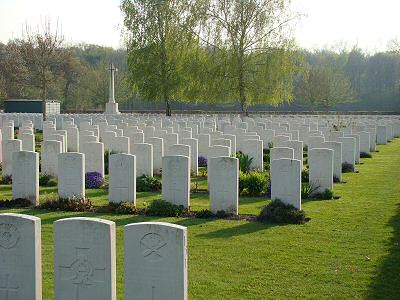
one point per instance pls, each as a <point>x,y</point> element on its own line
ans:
<point>168,112</point>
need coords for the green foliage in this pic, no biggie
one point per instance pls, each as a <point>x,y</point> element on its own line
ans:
<point>107,154</point>
<point>305,173</point>
<point>244,162</point>
<point>253,183</point>
<point>148,184</point>
<point>248,47</point>
<point>205,214</point>
<point>266,159</point>
<point>15,203</point>
<point>47,180</point>
<point>53,202</point>
<point>324,84</point>
<point>161,47</point>
<point>124,208</point>
<point>326,195</point>
<point>161,208</point>
<point>280,213</point>
<point>365,155</point>
<point>7,179</point>
<point>307,190</point>
<point>347,168</point>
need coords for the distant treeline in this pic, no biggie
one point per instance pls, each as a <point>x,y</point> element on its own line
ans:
<point>80,81</point>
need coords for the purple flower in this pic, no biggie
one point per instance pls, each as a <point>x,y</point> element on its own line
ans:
<point>202,161</point>
<point>93,180</point>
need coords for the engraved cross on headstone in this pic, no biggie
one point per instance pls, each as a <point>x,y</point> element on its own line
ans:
<point>82,273</point>
<point>7,290</point>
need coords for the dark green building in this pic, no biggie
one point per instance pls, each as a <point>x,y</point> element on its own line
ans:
<point>31,106</point>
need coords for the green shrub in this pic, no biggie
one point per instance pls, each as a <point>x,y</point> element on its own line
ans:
<point>53,202</point>
<point>124,208</point>
<point>326,195</point>
<point>205,214</point>
<point>307,190</point>
<point>266,159</point>
<point>305,175</point>
<point>244,162</point>
<point>280,213</point>
<point>148,184</point>
<point>161,208</point>
<point>221,214</point>
<point>347,168</point>
<point>47,180</point>
<point>253,183</point>
<point>7,179</point>
<point>365,155</point>
<point>106,160</point>
<point>15,203</point>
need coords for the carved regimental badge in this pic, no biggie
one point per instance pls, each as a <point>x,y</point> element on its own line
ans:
<point>9,236</point>
<point>151,245</point>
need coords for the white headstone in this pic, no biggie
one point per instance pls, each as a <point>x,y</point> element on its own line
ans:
<point>286,181</point>
<point>72,139</point>
<point>25,183</point>
<point>50,152</point>
<point>144,159</point>
<point>176,180</point>
<point>71,175</point>
<point>348,150</point>
<point>158,153</point>
<point>254,149</point>
<point>9,146</point>
<point>20,257</point>
<point>28,142</point>
<point>320,161</point>
<point>194,156</point>
<point>223,184</point>
<point>94,157</point>
<point>156,261</point>
<point>122,187</point>
<point>281,152</point>
<point>337,158</point>
<point>84,259</point>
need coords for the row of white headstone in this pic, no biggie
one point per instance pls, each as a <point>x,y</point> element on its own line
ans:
<point>328,149</point>
<point>223,179</point>
<point>149,141</point>
<point>155,259</point>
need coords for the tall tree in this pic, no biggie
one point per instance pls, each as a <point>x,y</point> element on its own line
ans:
<point>159,38</point>
<point>251,53</point>
<point>42,52</point>
<point>324,85</point>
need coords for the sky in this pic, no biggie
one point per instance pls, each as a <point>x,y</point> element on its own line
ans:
<point>368,24</point>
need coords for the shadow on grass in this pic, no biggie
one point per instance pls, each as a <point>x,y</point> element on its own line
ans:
<point>386,284</point>
<point>246,228</point>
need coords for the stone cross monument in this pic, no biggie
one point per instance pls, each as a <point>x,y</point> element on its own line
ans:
<point>112,106</point>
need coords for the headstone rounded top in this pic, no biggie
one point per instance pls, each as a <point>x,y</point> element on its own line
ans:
<point>22,216</point>
<point>83,219</point>
<point>150,224</point>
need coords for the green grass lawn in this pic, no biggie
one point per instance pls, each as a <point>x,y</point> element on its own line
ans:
<point>349,249</point>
